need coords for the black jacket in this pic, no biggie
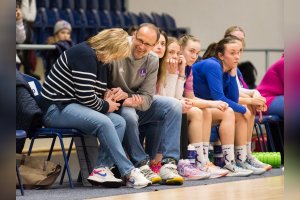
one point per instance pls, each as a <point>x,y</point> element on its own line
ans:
<point>28,113</point>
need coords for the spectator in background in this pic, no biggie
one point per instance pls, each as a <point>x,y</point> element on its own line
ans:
<point>272,87</point>
<point>61,39</point>
<point>28,57</point>
<point>249,73</point>
<point>20,30</point>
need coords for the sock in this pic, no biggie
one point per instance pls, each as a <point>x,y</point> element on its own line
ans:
<point>240,153</point>
<point>205,151</point>
<point>228,153</point>
<point>199,150</point>
<point>249,152</point>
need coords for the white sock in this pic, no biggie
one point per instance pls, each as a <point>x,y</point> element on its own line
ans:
<point>228,153</point>
<point>249,152</point>
<point>240,153</point>
<point>199,150</point>
<point>205,151</point>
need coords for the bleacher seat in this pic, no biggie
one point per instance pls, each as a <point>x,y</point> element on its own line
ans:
<point>171,26</point>
<point>93,22</point>
<point>104,5</point>
<point>159,22</point>
<point>118,19</point>
<point>117,5</point>
<point>131,19</point>
<point>145,18</point>
<point>42,4</point>
<point>105,19</point>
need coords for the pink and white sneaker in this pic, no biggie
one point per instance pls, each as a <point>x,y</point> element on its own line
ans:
<point>215,171</point>
<point>191,172</point>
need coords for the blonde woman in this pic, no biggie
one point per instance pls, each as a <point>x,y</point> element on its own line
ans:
<point>75,95</point>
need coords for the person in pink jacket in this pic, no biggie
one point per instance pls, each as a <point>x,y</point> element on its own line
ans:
<point>272,87</point>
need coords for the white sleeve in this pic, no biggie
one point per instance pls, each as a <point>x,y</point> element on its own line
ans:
<point>179,88</point>
<point>28,10</point>
<point>171,83</point>
<point>20,32</point>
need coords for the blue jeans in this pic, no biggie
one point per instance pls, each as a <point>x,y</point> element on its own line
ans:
<point>167,112</point>
<point>277,107</point>
<point>151,134</point>
<point>108,128</point>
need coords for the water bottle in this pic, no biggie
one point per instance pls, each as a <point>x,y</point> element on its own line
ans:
<point>192,154</point>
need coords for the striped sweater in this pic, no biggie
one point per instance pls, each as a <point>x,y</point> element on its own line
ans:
<point>77,77</point>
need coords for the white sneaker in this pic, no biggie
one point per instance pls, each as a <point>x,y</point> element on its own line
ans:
<point>103,176</point>
<point>149,174</point>
<point>246,165</point>
<point>169,175</point>
<point>252,160</point>
<point>234,170</point>
<point>215,171</point>
<point>137,180</point>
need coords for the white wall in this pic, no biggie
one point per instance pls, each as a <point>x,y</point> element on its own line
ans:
<point>262,21</point>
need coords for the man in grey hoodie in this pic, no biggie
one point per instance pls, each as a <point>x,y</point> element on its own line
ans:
<point>135,76</point>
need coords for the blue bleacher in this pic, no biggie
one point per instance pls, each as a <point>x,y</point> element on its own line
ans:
<point>88,17</point>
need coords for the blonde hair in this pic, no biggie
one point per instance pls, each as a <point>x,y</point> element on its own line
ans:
<point>232,29</point>
<point>110,44</point>
<point>185,38</point>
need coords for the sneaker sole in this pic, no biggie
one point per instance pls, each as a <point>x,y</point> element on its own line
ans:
<point>137,186</point>
<point>173,181</point>
<point>156,180</point>
<point>259,172</point>
<point>218,175</point>
<point>109,184</point>
<point>238,174</point>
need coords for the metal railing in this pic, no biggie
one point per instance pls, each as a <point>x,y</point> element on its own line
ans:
<point>267,53</point>
<point>49,47</point>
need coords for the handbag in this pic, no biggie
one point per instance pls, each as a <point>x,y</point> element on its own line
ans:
<point>37,173</point>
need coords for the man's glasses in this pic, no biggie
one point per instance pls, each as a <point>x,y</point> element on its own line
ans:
<point>140,41</point>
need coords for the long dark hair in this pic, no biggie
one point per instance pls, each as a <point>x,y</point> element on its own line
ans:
<point>161,70</point>
<point>214,48</point>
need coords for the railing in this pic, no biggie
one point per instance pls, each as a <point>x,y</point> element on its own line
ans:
<point>49,47</point>
<point>267,53</point>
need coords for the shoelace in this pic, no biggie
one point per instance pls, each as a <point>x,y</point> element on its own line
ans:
<point>172,169</point>
<point>148,173</point>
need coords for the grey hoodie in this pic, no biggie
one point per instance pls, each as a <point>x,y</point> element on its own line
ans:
<point>136,77</point>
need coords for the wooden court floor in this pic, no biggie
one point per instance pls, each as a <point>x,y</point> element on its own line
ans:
<point>261,188</point>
